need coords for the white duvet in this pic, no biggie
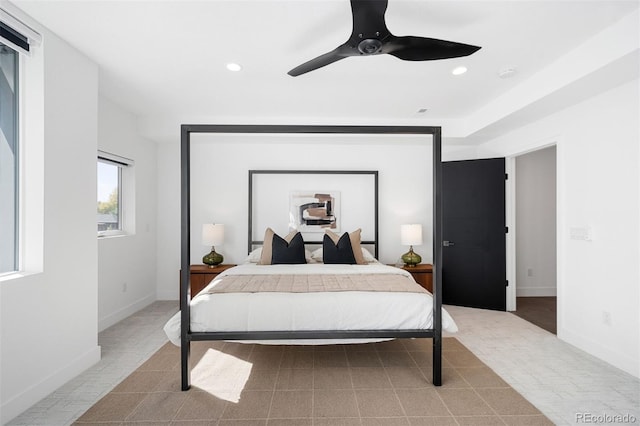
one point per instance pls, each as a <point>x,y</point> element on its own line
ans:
<point>343,310</point>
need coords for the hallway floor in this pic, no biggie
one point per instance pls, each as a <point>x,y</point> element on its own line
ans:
<point>540,311</point>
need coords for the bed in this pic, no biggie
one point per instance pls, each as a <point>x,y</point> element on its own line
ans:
<point>306,297</point>
<point>245,316</point>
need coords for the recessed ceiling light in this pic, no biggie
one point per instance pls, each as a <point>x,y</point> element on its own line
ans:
<point>459,70</point>
<point>233,67</point>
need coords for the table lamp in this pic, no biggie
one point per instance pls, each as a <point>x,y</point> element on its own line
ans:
<point>212,235</point>
<point>411,235</point>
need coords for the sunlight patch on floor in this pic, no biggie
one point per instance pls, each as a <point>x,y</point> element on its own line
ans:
<point>222,375</point>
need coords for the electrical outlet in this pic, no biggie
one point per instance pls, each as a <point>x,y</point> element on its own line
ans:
<point>606,318</point>
<point>124,287</point>
<point>529,272</point>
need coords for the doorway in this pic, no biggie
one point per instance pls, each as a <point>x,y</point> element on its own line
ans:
<point>536,254</point>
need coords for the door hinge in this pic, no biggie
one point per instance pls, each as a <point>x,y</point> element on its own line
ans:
<point>506,283</point>
<point>506,229</point>
<point>506,176</point>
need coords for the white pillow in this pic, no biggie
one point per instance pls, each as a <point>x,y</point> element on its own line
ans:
<point>254,256</point>
<point>368,257</point>
<point>317,255</point>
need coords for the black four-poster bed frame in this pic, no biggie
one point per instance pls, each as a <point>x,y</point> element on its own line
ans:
<point>187,336</point>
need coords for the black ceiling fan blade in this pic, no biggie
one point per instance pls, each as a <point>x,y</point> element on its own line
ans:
<point>410,48</point>
<point>370,36</point>
<point>335,55</point>
<point>368,18</point>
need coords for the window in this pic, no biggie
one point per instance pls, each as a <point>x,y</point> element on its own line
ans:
<point>109,178</point>
<point>8,159</point>
<point>112,172</point>
<point>21,148</point>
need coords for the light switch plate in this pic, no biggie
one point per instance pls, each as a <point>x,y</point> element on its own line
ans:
<point>580,233</point>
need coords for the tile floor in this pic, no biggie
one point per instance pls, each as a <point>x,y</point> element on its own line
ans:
<point>560,380</point>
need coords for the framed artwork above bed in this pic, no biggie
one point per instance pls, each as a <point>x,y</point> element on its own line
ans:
<point>314,210</point>
<point>312,201</point>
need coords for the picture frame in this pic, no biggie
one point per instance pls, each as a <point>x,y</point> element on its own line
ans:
<point>278,194</point>
<point>314,211</point>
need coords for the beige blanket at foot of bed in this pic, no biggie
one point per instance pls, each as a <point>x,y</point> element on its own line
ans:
<point>313,283</point>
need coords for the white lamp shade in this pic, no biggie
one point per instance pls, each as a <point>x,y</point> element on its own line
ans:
<point>411,235</point>
<point>212,234</point>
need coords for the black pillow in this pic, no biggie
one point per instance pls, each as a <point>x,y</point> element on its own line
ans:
<point>283,252</point>
<point>340,253</point>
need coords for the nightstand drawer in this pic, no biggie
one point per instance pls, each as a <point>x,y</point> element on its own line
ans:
<point>202,275</point>
<point>423,274</point>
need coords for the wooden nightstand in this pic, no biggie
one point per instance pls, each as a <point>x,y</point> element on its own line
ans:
<point>423,274</point>
<point>201,275</point>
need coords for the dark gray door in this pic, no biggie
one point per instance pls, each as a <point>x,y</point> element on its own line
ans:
<point>474,234</point>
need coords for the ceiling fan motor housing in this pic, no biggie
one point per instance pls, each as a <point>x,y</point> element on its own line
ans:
<point>370,46</point>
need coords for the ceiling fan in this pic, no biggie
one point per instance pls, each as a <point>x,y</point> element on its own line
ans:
<point>370,36</point>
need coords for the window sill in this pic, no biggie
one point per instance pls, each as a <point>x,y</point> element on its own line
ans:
<point>114,235</point>
<point>10,276</point>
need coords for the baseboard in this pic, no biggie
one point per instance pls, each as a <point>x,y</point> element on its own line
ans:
<point>117,316</point>
<point>21,402</point>
<point>536,291</point>
<point>622,361</point>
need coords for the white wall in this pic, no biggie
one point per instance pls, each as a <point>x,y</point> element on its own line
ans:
<point>598,186</point>
<point>219,183</point>
<point>536,223</point>
<point>127,264</point>
<point>49,317</point>
<point>168,219</point>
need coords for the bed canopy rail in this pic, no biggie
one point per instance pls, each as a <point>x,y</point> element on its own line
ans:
<point>432,135</point>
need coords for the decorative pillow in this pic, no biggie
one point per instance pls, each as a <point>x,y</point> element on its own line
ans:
<point>340,253</point>
<point>278,250</point>
<point>316,256</point>
<point>354,239</point>
<point>288,252</point>
<point>256,254</point>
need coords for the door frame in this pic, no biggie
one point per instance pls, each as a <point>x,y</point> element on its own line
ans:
<point>510,220</point>
<point>510,217</point>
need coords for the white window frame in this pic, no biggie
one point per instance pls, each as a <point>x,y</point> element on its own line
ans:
<point>15,256</point>
<point>126,199</point>
<point>31,177</point>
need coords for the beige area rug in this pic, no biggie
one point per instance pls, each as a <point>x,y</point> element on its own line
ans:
<point>369,384</point>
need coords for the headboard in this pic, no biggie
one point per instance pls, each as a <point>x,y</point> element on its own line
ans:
<point>312,201</point>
